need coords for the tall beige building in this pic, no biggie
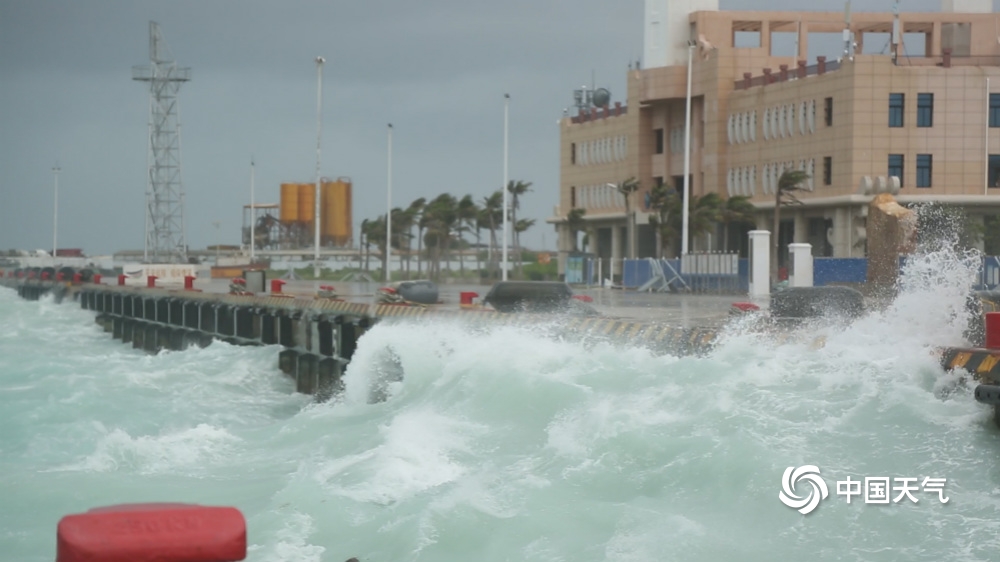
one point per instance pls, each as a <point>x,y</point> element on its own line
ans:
<point>929,120</point>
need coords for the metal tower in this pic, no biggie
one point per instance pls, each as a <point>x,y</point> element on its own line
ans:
<point>165,191</point>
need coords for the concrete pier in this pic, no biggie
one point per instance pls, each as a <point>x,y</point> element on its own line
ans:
<point>319,336</point>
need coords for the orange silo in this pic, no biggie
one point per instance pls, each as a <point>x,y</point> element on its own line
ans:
<point>327,191</point>
<point>341,227</point>
<point>307,204</point>
<point>289,203</point>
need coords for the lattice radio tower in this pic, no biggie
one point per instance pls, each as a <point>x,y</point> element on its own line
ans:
<point>164,191</point>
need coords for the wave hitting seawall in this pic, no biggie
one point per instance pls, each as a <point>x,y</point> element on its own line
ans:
<point>506,445</point>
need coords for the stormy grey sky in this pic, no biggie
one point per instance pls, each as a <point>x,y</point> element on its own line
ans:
<point>436,69</point>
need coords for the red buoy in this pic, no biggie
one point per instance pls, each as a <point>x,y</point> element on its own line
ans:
<point>154,532</point>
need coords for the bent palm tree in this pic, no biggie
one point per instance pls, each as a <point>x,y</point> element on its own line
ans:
<point>627,188</point>
<point>789,182</point>
<point>516,189</point>
<point>575,223</point>
<point>737,210</point>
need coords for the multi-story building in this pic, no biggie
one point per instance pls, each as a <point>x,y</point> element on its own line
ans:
<point>930,119</point>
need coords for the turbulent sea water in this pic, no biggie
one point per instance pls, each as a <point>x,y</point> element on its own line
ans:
<point>506,445</point>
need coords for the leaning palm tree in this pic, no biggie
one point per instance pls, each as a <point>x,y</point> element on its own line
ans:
<point>467,212</point>
<point>413,212</point>
<point>705,214</point>
<point>789,182</point>
<point>737,210</point>
<point>516,189</point>
<point>416,208</point>
<point>519,227</point>
<point>627,188</point>
<point>402,223</point>
<point>666,222</point>
<point>441,216</point>
<point>492,217</point>
<point>575,223</point>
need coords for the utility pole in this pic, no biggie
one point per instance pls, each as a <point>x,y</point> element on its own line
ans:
<point>55,211</point>
<point>686,203</point>
<point>506,105</point>
<point>253,213</point>
<point>388,212</point>
<point>319,141</point>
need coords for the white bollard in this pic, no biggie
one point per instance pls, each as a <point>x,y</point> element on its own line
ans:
<point>801,274</point>
<point>760,263</point>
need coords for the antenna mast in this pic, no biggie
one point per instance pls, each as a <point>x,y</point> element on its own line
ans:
<point>895,31</point>
<point>165,191</point>
<point>848,48</point>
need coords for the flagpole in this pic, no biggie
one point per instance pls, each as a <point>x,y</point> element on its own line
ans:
<point>253,213</point>
<point>506,104</point>
<point>388,211</point>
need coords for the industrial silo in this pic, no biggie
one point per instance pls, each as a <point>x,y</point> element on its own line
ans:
<point>340,229</point>
<point>289,203</point>
<point>327,206</point>
<point>307,204</point>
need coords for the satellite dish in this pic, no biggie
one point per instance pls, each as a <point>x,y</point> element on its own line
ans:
<point>602,97</point>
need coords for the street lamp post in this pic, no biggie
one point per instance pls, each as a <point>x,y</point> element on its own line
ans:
<point>217,224</point>
<point>388,210</point>
<point>253,213</point>
<point>687,157</point>
<point>319,140</point>
<point>506,105</point>
<point>55,211</point>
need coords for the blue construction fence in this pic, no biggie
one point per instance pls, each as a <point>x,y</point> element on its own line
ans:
<point>729,275</point>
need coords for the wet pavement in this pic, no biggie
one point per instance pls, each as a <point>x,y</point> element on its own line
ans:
<point>677,309</point>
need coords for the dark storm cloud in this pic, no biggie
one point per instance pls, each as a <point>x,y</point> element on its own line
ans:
<point>436,69</point>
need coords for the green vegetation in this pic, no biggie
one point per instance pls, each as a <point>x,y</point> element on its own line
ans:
<point>447,229</point>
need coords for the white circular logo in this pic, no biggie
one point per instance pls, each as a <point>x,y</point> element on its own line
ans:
<point>818,491</point>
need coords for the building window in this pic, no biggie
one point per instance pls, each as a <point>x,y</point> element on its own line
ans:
<point>896,103</point>
<point>994,175</point>
<point>572,153</point>
<point>658,133</point>
<point>994,113</point>
<point>828,169</point>
<point>896,167</point>
<point>925,163</point>
<point>925,110</point>
<point>572,197</point>
<point>828,111</point>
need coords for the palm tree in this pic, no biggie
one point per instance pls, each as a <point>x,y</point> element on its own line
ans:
<point>441,216</point>
<point>789,182</point>
<point>516,189</point>
<point>705,213</point>
<point>492,217</point>
<point>402,222</point>
<point>467,213</point>
<point>413,212</point>
<point>627,188</point>
<point>405,221</point>
<point>575,223</point>
<point>665,200</point>
<point>374,232</point>
<point>364,241</point>
<point>737,210</point>
<point>519,227</point>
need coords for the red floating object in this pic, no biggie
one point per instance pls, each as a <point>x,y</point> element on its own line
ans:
<point>154,532</point>
<point>584,298</point>
<point>992,330</point>
<point>745,306</point>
